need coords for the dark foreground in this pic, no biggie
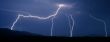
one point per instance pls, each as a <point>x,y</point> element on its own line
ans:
<point>7,34</point>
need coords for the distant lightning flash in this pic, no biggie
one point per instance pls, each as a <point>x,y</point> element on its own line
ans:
<point>42,18</point>
<point>105,29</point>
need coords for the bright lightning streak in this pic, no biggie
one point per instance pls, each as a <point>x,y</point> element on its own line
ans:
<point>52,26</point>
<point>71,26</point>
<point>42,18</point>
<point>15,22</point>
<point>105,29</point>
<point>69,22</point>
<point>71,30</point>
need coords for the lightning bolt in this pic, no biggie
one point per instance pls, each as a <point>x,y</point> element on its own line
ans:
<point>69,25</point>
<point>100,20</point>
<point>52,26</point>
<point>72,27</point>
<point>38,17</point>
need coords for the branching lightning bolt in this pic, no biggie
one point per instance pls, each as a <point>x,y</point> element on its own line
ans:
<point>71,26</point>
<point>43,18</point>
<point>105,29</point>
<point>71,30</point>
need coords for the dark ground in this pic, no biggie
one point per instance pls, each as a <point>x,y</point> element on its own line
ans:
<point>7,34</point>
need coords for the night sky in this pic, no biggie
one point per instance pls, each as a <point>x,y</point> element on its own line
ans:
<point>80,10</point>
